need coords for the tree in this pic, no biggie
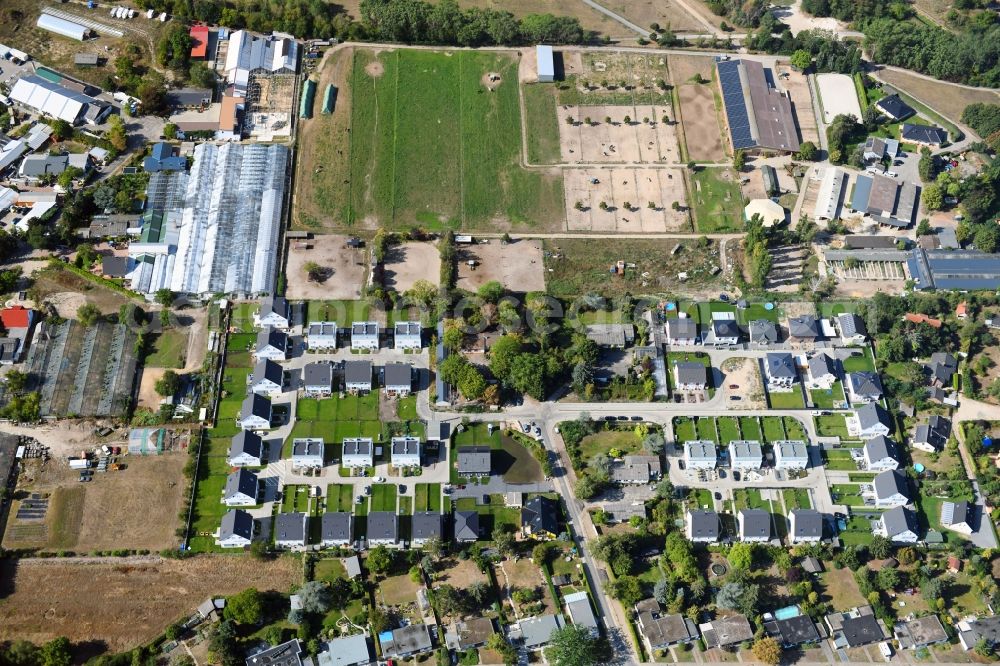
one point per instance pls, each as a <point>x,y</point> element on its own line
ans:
<point>170,131</point>
<point>491,292</point>
<point>933,197</point>
<point>880,547</point>
<point>56,652</point>
<point>168,384</point>
<point>626,589</point>
<point>380,559</point>
<point>503,541</point>
<point>808,151</point>
<point>164,297</point>
<point>572,645</point>
<point>61,130</point>
<point>767,650</point>
<point>117,135</point>
<point>66,178</point>
<point>801,60</point>
<point>628,120</point>
<point>88,314</point>
<point>739,159</point>
<point>222,646</point>
<point>315,597</point>
<point>924,227</point>
<point>987,238</point>
<point>741,556</point>
<point>201,75</point>
<point>498,644</point>
<point>246,607</point>
<point>888,578</point>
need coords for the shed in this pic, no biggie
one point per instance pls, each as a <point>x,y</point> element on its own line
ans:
<point>546,66</point>
<point>86,60</point>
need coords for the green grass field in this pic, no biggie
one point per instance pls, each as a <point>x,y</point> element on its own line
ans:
<point>729,429</point>
<point>827,398</point>
<point>684,429</point>
<point>542,123</point>
<point>796,498</point>
<point>839,460</point>
<point>860,362</point>
<point>427,120</point>
<point>832,425</point>
<point>169,350</point>
<point>717,202</point>
<point>789,400</point>
<point>750,428</point>
<point>774,429</point>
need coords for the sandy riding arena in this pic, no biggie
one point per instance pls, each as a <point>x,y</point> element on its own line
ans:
<point>626,195</point>
<point>645,138</point>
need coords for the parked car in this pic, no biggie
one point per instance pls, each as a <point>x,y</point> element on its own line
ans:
<point>368,490</point>
<point>718,496</point>
<point>722,473</point>
<point>735,397</point>
<point>402,489</point>
<point>736,476</point>
<point>734,386</point>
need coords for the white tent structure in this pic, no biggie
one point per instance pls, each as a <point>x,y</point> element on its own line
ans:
<point>61,26</point>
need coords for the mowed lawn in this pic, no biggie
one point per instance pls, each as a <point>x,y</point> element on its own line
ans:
<point>431,145</point>
<point>717,200</point>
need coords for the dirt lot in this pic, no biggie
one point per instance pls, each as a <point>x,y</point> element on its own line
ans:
<point>700,118</point>
<point>618,186</point>
<point>68,291</point>
<point>517,265</point>
<point>945,98</point>
<point>745,373</point>
<point>754,189</point>
<point>616,141</point>
<point>148,397</point>
<point>329,252</point>
<point>398,591</point>
<point>664,12</point>
<point>113,510</point>
<point>798,88</point>
<point>97,600</point>
<point>522,574</point>
<point>408,262</point>
<point>461,574</point>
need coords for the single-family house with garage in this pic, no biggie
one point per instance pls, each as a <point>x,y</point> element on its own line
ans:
<point>804,329</point>
<point>397,379</point>
<point>891,489</point>
<point>726,631</point>
<point>307,452</point>
<point>317,379</point>
<point>241,489</point>
<point>658,630</point>
<point>821,371</point>
<point>870,420</point>
<point>701,526</point>
<point>291,530</point>
<point>690,376</point>
<point>880,454</point>
<point>763,332</point>
<point>540,517</point>
<point>898,524</point>
<point>933,435</point>
<point>863,387</point>
<point>273,312</point>
<point>336,529</point>
<point>407,335</point>
<point>755,525</point>
<point>358,376</point>
<point>267,378</point>
<point>958,516</point>
<point>235,530</point>
<point>700,454</point>
<point>852,329</point>
<point>255,413</point>
<point>383,528</point>
<point>246,450</point>
<point>424,526</point>
<point>407,642</point>
<point>682,332</point>
<point>466,526</point>
<point>474,461</point>
<point>780,371</point>
<point>806,526</point>
<point>271,344</point>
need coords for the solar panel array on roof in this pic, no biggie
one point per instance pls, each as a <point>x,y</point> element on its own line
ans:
<point>736,108</point>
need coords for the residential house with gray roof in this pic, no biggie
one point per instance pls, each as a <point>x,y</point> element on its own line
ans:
<point>241,489</point>
<point>658,630</point>
<point>701,526</point>
<point>755,525</point>
<point>920,632</point>
<point>804,329</point>
<point>536,632</point>
<point>308,452</point>
<point>405,451</point>
<point>871,421</point>
<point>357,452</point>
<point>271,344</point>
<point>336,529</point>
<point>466,526</point>
<point>933,435</point>
<point>291,530</point>
<point>806,526</point>
<point>898,524</point>
<point>958,516</point>
<point>317,379</point>
<point>350,650</point>
<point>700,454</point>
<point>690,376</point>
<point>397,379</point>
<point>267,378</point>
<point>407,335</point>
<point>891,489</point>
<point>383,528</point>
<point>246,450</point>
<point>880,454</point>
<point>255,413</point>
<point>780,370</point>
<point>821,371</point>
<point>790,454</point>
<point>942,368</point>
<point>745,455</point>
<point>681,332</point>
<point>426,525</point>
<point>321,336</point>
<point>358,376</point>
<point>763,332</point>
<point>285,654</point>
<point>581,612</point>
<point>852,329</point>
<point>863,387</point>
<point>273,311</point>
<point>726,631</point>
<point>235,530</point>
<point>364,335</point>
<point>407,642</point>
<point>474,461</point>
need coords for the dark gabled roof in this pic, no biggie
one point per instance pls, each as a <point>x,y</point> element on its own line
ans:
<point>398,374</point>
<point>763,329</point>
<point>898,520</point>
<point>923,134</point>
<point>274,304</point>
<point>267,369</point>
<point>290,527</point>
<point>689,372</point>
<point>728,630</point>
<point>236,522</point>
<point>808,523</point>
<point>865,384</point>
<point>285,654</point>
<point>942,366</point>
<point>755,523</point>
<point>805,326</point>
<point>894,107</point>
<point>851,324</point>
<point>682,329</point>
<point>272,336</point>
<point>725,328</point>
<point>241,481</point>
<point>871,414</point>
<point>889,483</point>
<point>466,525</point>
<point>427,525</point>
<point>541,514</point>
<point>382,525</point>
<point>862,630</point>
<point>256,405</point>
<point>704,524</point>
<point>318,374</point>
<point>248,442</point>
<point>820,364</point>
<point>357,372</point>
<point>935,432</point>
<point>336,526</point>
<point>881,447</point>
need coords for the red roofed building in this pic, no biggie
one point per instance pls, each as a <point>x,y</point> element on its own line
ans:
<point>199,35</point>
<point>922,319</point>
<point>962,311</point>
<point>16,317</point>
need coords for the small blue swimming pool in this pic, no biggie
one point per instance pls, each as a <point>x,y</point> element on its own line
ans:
<point>787,613</point>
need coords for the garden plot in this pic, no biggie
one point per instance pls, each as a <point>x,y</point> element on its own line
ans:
<point>609,137</point>
<point>626,194</point>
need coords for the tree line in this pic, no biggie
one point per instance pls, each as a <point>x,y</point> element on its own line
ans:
<point>985,120</point>
<point>407,21</point>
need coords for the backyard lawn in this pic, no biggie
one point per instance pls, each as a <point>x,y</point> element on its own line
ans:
<point>749,498</point>
<point>796,498</point>
<point>750,427</point>
<point>832,425</point>
<point>774,429</point>
<point>848,494</point>
<point>789,400</point>
<point>828,398</point>
<point>339,497</point>
<point>625,441</point>
<point>684,429</point>
<point>859,362</point>
<point>729,429</point>
<point>383,497</point>
<point>706,429</point>
<point>839,460</point>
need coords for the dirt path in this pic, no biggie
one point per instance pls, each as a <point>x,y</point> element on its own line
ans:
<point>197,339</point>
